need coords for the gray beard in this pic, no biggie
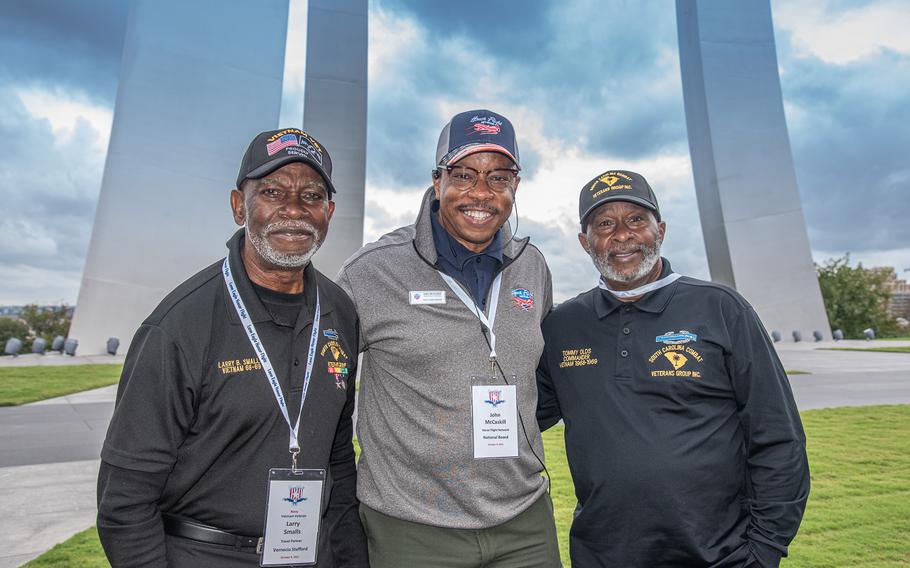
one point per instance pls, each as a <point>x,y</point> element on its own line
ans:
<point>262,246</point>
<point>650,256</point>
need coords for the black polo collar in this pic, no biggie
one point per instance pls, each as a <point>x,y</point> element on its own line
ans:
<point>654,302</point>
<point>251,300</point>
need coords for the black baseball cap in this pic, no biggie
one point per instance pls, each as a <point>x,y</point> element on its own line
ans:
<point>273,149</point>
<point>616,185</point>
<point>476,131</point>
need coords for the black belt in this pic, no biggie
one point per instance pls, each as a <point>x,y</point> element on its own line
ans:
<point>175,526</point>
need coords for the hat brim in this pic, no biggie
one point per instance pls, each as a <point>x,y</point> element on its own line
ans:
<point>619,197</point>
<point>269,167</point>
<point>469,149</point>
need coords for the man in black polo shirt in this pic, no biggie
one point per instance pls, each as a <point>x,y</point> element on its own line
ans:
<point>682,435</point>
<point>215,380</point>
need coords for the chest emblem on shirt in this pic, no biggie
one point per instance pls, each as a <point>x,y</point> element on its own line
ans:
<point>337,365</point>
<point>338,371</point>
<point>331,334</point>
<point>334,348</point>
<point>231,366</point>
<point>676,337</point>
<point>523,298</point>
<point>580,357</point>
<point>684,361</point>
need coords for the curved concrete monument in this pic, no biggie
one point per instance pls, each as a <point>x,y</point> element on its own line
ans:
<point>751,216</point>
<point>190,98</point>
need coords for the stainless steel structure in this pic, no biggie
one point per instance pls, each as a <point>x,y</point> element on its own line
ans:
<point>196,85</point>
<point>751,215</point>
<point>335,112</point>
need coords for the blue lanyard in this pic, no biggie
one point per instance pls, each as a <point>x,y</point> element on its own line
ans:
<point>293,445</point>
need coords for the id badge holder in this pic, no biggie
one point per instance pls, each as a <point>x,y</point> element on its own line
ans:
<point>494,419</point>
<point>292,516</point>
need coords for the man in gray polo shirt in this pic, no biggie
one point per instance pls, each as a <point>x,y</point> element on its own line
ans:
<point>450,311</point>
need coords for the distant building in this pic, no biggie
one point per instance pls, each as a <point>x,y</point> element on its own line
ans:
<point>10,311</point>
<point>899,305</point>
<point>16,311</point>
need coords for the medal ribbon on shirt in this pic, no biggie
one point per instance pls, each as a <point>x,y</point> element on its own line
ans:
<point>259,348</point>
<point>468,301</point>
<point>641,290</point>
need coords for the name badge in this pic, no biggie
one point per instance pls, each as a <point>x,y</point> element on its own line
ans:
<point>416,297</point>
<point>292,516</point>
<point>495,413</point>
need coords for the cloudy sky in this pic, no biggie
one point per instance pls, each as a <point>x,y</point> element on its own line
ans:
<point>589,85</point>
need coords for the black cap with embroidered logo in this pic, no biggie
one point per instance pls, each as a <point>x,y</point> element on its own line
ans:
<point>275,148</point>
<point>476,131</point>
<point>616,185</point>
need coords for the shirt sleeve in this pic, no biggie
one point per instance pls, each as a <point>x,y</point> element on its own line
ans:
<point>777,465</point>
<point>345,283</point>
<point>342,517</point>
<point>548,411</point>
<point>129,522</point>
<point>155,405</point>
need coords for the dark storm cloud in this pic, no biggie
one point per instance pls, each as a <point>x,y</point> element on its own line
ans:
<point>508,29</point>
<point>850,145</point>
<point>602,75</point>
<point>63,45</point>
<point>49,189</point>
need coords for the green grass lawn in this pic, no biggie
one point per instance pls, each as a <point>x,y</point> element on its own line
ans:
<point>895,349</point>
<point>858,512</point>
<point>19,385</point>
<point>797,372</point>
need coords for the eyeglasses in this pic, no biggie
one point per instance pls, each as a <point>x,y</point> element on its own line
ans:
<point>464,178</point>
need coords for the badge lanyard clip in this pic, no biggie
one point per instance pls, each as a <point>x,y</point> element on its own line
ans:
<point>486,321</point>
<point>256,342</point>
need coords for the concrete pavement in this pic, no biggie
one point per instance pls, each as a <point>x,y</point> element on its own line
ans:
<point>49,450</point>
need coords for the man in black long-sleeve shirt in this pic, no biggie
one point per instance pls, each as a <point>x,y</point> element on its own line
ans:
<point>196,427</point>
<point>682,435</point>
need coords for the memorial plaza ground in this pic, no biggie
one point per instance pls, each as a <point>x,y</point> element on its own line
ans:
<point>858,513</point>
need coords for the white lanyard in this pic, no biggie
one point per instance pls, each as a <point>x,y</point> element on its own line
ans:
<point>293,445</point>
<point>650,287</point>
<point>472,305</point>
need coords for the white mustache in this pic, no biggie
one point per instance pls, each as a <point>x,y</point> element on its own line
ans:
<point>279,226</point>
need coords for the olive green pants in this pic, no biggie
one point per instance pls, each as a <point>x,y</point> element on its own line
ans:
<point>527,541</point>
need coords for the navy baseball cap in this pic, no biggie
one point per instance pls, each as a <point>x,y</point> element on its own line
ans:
<point>476,131</point>
<point>275,148</point>
<point>616,185</point>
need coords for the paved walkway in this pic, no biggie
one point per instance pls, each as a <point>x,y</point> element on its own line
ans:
<point>49,450</point>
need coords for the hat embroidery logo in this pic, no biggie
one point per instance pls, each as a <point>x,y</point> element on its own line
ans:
<point>485,125</point>
<point>609,180</point>
<point>281,143</point>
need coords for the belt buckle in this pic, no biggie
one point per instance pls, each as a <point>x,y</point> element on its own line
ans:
<point>259,546</point>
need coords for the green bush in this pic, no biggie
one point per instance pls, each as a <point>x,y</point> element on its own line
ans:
<point>9,328</point>
<point>856,298</point>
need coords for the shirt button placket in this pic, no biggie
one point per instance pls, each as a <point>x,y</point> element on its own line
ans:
<point>624,345</point>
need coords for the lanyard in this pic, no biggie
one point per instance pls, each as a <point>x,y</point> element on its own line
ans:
<point>472,305</point>
<point>650,287</point>
<point>293,445</point>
